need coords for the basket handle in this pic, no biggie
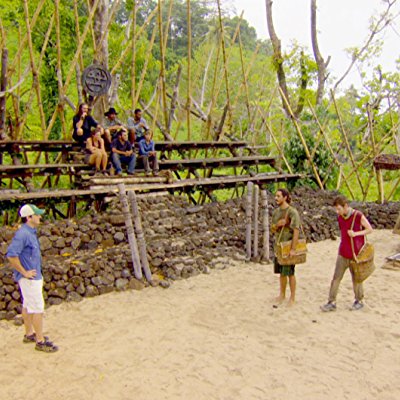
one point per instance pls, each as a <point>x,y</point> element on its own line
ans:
<point>352,239</point>
<point>283,227</point>
<point>280,233</point>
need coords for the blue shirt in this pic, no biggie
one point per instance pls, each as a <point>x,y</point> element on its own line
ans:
<point>145,148</point>
<point>25,245</point>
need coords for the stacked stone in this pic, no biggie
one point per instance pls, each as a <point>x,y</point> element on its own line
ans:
<point>90,256</point>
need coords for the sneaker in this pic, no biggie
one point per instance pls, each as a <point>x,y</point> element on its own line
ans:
<point>46,346</point>
<point>357,305</point>
<point>328,307</point>
<point>32,338</point>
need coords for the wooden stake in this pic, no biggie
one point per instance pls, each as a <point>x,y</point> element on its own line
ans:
<point>140,235</point>
<point>248,219</point>
<point>265,222</point>
<point>255,221</point>
<point>131,233</point>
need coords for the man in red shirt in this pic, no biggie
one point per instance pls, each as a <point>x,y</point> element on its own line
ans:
<point>353,226</point>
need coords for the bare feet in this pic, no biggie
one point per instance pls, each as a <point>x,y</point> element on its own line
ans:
<point>279,300</point>
<point>291,302</point>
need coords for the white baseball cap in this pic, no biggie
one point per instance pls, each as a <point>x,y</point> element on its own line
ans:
<point>30,209</point>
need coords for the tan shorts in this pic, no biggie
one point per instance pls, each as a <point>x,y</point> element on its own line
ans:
<point>32,294</point>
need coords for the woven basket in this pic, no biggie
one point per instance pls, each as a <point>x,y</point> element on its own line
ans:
<point>363,266</point>
<point>283,250</point>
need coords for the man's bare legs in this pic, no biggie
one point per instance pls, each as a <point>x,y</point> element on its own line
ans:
<point>37,322</point>
<point>283,279</point>
<point>27,322</point>
<point>282,289</point>
<point>292,285</point>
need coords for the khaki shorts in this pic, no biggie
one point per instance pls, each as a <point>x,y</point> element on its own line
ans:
<point>32,294</point>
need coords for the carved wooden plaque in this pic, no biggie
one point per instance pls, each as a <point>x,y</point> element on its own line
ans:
<point>96,80</point>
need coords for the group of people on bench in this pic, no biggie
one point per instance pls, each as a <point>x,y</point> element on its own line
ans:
<point>97,139</point>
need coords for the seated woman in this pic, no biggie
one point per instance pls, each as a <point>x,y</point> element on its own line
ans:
<point>82,124</point>
<point>148,154</point>
<point>95,153</point>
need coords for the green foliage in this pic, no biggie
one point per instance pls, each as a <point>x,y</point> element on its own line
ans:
<point>323,160</point>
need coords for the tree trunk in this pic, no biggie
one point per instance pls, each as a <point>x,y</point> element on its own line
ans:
<point>278,58</point>
<point>321,64</point>
<point>100,25</point>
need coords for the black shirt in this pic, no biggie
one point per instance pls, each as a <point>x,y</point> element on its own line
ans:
<point>118,145</point>
<point>88,123</point>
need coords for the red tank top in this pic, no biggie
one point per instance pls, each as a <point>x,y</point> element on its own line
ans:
<point>345,242</point>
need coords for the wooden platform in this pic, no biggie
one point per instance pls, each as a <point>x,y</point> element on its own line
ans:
<point>222,158</point>
<point>158,185</point>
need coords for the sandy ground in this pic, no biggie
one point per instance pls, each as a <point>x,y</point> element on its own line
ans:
<point>217,336</point>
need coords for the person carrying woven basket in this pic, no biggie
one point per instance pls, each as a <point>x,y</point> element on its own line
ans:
<point>285,226</point>
<point>354,227</point>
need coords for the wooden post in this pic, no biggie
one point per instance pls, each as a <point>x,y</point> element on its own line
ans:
<point>248,219</point>
<point>3,87</point>
<point>140,235</point>
<point>131,233</point>
<point>265,222</point>
<point>256,194</point>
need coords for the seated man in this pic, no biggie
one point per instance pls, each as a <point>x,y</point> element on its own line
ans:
<point>82,124</point>
<point>137,126</point>
<point>122,152</point>
<point>148,154</point>
<point>111,124</point>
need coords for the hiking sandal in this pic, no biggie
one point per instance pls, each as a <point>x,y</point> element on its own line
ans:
<point>46,346</point>
<point>32,338</point>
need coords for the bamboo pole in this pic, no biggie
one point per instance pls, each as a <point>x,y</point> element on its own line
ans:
<point>133,80</point>
<point>24,39</point>
<point>78,36</point>
<point>88,5</point>
<point>137,34</point>
<point>29,103</point>
<point>225,64</point>
<point>280,150</point>
<point>140,235</point>
<point>328,144</point>
<point>244,82</point>
<point>346,141</point>
<point>256,194</point>
<point>248,219</point>
<point>307,151</point>
<point>61,100</point>
<point>174,98</point>
<point>378,172</point>
<point>35,73</point>
<point>130,231</point>
<point>395,186</point>
<point>213,96</point>
<point>189,72</point>
<point>246,74</point>
<point>144,70</point>
<point>80,45</point>
<point>265,222</point>
<point>3,87</point>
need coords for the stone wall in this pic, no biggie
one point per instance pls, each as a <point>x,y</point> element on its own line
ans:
<point>90,256</point>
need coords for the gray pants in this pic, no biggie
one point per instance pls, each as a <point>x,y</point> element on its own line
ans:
<point>341,265</point>
<point>150,163</point>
